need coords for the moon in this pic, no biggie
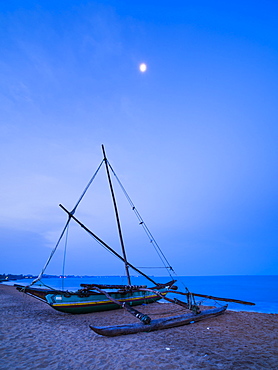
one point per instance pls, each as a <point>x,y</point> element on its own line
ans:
<point>143,67</point>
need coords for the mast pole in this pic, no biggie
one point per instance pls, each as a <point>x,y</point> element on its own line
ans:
<point>117,216</point>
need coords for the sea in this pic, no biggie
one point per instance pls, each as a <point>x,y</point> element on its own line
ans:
<point>261,290</point>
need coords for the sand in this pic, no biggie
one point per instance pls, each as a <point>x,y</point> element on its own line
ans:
<point>34,336</point>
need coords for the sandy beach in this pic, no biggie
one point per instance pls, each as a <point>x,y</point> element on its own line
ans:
<point>34,336</point>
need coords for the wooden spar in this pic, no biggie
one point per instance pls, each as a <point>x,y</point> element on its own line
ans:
<point>158,324</point>
<point>175,301</point>
<point>108,296</point>
<point>106,245</point>
<point>139,315</point>
<point>215,298</point>
<point>117,216</point>
<point>157,293</point>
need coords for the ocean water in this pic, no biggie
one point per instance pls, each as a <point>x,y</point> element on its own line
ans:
<point>261,290</point>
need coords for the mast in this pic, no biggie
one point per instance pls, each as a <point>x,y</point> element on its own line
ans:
<point>117,216</point>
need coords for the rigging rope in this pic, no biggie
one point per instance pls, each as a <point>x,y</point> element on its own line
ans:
<point>66,226</point>
<point>101,244</point>
<point>52,253</point>
<point>64,259</point>
<point>87,187</point>
<point>161,255</point>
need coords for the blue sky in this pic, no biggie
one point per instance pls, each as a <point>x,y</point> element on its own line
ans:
<point>193,139</point>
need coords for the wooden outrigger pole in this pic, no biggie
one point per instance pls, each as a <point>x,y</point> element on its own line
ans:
<point>157,324</point>
<point>214,298</point>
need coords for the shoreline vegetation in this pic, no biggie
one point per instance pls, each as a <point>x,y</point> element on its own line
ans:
<point>9,277</point>
<point>12,277</point>
<point>34,336</point>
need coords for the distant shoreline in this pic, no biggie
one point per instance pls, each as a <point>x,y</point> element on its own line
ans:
<point>261,290</point>
<point>12,277</point>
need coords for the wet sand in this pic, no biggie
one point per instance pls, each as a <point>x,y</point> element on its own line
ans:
<point>34,336</point>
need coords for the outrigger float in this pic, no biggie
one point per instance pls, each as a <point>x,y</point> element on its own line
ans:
<point>102,297</point>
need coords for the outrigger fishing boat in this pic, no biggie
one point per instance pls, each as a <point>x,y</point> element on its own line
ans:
<point>102,297</point>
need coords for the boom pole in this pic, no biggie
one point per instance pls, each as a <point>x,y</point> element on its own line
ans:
<point>105,245</point>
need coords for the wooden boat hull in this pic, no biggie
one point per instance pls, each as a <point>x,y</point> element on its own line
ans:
<point>97,302</point>
<point>39,293</point>
<point>158,324</point>
<point>75,303</point>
